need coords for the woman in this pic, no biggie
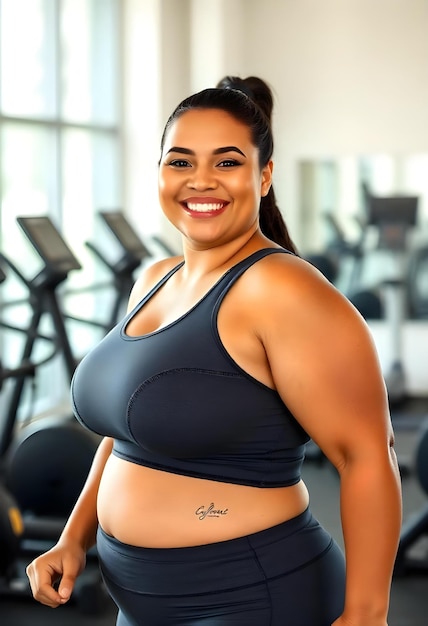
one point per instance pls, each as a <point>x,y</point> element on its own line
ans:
<point>230,357</point>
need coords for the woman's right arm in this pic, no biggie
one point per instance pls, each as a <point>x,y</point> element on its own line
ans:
<point>67,559</point>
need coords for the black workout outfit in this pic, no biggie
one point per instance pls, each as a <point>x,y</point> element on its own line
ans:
<point>174,400</point>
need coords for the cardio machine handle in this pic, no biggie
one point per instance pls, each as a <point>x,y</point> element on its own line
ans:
<point>25,369</point>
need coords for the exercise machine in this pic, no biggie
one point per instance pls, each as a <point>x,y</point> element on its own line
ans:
<point>11,530</point>
<point>394,217</point>
<point>341,262</point>
<point>409,559</point>
<point>11,524</point>
<point>21,539</point>
<point>46,462</point>
<point>134,249</point>
<point>412,556</point>
<point>55,451</point>
<point>164,246</point>
<point>132,254</point>
<point>418,283</point>
<point>11,521</point>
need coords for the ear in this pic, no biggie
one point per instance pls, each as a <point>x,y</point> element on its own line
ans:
<point>266,181</point>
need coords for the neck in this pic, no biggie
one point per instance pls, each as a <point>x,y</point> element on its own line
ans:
<point>201,261</point>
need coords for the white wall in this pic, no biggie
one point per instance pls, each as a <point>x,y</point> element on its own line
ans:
<point>350,76</point>
<point>218,42</point>
<point>141,97</point>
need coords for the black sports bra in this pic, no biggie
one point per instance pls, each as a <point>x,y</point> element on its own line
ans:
<point>175,400</point>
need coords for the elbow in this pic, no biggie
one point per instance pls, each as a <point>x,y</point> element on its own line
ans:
<point>368,459</point>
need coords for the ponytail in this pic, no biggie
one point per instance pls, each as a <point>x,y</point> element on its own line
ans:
<point>272,223</point>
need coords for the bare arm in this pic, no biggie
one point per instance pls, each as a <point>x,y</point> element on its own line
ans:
<point>371,519</point>
<point>326,369</point>
<point>67,559</point>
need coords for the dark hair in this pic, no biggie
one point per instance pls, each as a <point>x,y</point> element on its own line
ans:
<point>255,88</point>
<point>272,223</point>
<point>243,108</point>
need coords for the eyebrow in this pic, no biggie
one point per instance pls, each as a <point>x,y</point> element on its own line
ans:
<point>222,150</point>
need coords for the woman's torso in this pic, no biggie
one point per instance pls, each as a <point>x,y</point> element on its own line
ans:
<point>145,506</point>
<point>150,508</point>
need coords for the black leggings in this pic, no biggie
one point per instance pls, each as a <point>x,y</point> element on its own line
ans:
<point>292,574</point>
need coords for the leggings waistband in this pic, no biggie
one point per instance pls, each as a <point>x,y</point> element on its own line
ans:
<point>227,548</point>
<point>244,561</point>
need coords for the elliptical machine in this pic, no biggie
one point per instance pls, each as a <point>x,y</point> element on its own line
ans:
<point>132,254</point>
<point>55,451</point>
<point>46,462</point>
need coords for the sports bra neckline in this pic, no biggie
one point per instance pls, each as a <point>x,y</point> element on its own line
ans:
<point>248,260</point>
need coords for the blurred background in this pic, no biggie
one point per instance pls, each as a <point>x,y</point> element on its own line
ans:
<point>86,87</point>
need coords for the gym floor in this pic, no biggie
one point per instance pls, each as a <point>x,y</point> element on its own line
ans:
<point>409,598</point>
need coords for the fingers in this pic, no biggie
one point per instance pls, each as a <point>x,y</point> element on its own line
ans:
<point>46,570</point>
<point>41,583</point>
<point>65,588</point>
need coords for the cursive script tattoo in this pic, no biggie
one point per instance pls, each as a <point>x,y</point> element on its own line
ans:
<point>202,512</point>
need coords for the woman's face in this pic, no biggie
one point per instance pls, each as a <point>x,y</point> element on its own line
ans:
<point>210,183</point>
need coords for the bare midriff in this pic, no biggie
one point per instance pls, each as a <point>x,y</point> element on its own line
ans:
<point>144,507</point>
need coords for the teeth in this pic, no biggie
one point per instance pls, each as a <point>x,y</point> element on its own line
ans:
<point>204,208</point>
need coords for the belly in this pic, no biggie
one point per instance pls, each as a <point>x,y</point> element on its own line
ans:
<point>145,507</point>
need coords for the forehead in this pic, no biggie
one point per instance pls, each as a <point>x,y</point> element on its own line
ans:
<point>207,127</point>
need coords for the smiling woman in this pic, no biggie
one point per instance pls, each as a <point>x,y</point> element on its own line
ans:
<point>270,218</point>
<point>230,358</point>
<point>216,179</point>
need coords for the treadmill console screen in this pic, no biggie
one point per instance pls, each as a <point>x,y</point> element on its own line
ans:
<point>49,243</point>
<point>124,233</point>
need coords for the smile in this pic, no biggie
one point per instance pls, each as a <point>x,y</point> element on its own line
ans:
<point>204,207</point>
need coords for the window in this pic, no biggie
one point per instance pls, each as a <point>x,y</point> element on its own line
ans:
<point>60,144</point>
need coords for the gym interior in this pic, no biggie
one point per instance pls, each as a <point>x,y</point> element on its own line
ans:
<point>85,89</point>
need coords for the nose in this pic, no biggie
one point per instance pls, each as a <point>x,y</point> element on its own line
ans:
<point>202,178</point>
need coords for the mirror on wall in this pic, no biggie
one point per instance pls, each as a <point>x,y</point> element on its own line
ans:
<point>342,202</point>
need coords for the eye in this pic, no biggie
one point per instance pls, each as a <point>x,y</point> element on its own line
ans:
<point>179,163</point>
<point>229,163</point>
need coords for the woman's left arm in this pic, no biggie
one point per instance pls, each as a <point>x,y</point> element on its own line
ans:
<point>371,520</point>
<point>326,369</point>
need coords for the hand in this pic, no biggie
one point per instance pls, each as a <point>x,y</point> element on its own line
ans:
<point>64,562</point>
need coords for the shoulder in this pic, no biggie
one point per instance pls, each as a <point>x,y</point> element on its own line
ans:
<point>149,278</point>
<point>283,277</point>
<point>286,291</point>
